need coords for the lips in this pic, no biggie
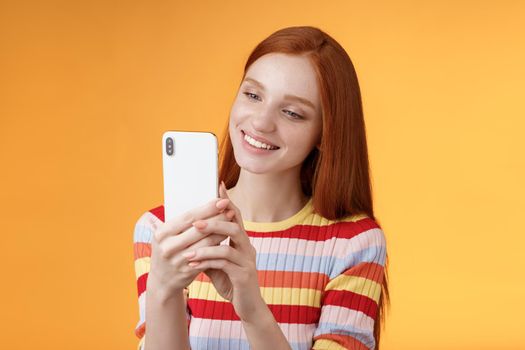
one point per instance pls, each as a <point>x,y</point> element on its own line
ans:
<point>257,138</point>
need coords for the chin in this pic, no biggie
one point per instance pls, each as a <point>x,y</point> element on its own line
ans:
<point>251,166</point>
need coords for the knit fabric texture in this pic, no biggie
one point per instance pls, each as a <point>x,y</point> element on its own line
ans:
<point>320,278</point>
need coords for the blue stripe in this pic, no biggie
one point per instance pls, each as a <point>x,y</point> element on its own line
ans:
<point>328,265</point>
<point>376,254</point>
<point>364,337</point>
<point>142,234</point>
<point>207,343</point>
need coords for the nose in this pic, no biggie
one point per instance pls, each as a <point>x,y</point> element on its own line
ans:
<point>263,121</point>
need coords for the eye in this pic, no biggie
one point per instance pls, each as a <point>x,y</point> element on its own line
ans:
<point>294,115</point>
<point>250,95</point>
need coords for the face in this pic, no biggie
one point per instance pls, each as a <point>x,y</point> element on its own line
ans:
<point>278,107</point>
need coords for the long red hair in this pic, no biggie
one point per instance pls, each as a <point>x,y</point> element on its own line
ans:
<point>337,176</point>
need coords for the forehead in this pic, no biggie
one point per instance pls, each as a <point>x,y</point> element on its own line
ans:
<point>286,74</point>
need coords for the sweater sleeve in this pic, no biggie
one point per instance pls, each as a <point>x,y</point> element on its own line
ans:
<point>349,305</point>
<point>142,237</point>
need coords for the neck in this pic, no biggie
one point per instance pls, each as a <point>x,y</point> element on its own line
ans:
<point>268,197</point>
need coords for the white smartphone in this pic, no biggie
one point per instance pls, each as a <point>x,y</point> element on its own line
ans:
<point>190,170</point>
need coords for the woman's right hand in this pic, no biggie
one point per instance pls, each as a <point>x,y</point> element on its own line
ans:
<point>169,271</point>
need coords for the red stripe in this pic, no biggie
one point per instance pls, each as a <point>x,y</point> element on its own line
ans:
<point>337,229</point>
<point>321,233</point>
<point>218,310</point>
<point>284,279</point>
<point>142,281</point>
<point>140,330</point>
<point>158,212</point>
<point>346,341</point>
<point>369,270</point>
<point>351,300</point>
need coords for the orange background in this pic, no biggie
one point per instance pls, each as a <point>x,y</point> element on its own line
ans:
<point>88,87</point>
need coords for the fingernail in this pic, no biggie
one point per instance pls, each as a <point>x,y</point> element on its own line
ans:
<point>188,254</point>
<point>223,203</point>
<point>200,224</point>
<point>194,263</point>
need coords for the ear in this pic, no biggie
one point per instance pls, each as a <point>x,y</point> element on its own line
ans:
<point>318,145</point>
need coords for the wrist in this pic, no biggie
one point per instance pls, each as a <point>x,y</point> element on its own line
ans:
<point>161,292</point>
<point>260,314</point>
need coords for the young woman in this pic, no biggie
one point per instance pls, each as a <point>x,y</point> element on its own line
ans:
<point>290,256</point>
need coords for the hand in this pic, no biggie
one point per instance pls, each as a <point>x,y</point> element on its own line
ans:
<point>169,271</point>
<point>231,268</point>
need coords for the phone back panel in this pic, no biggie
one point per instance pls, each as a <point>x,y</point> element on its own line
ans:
<point>190,173</point>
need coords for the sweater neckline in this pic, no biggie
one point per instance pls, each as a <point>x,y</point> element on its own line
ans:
<point>280,225</point>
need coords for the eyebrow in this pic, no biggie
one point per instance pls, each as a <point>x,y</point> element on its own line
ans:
<point>290,97</point>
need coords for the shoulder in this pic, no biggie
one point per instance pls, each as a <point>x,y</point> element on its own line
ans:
<point>361,225</point>
<point>146,222</point>
<point>357,242</point>
<point>350,228</point>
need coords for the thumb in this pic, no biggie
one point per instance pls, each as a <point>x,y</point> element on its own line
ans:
<point>222,190</point>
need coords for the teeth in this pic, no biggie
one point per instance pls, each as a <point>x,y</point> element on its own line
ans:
<point>258,144</point>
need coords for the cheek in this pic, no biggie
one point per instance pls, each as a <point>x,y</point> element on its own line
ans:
<point>237,113</point>
<point>232,130</point>
<point>236,118</point>
<point>302,141</point>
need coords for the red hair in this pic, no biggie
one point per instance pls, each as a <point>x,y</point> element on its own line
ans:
<point>336,176</point>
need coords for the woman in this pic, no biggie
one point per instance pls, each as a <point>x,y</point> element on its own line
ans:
<point>290,256</point>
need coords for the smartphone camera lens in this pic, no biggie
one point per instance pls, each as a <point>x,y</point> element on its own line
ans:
<point>169,146</point>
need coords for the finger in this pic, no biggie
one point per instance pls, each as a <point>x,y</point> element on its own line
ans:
<point>224,194</point>
<point>173,244</point>
<point>231,229</point>
<point>193,238</point>
<point>189,241</point>
<point>216,252</point>
<point>183,222</point>
<point>222,191</point>
<point>219,264</point>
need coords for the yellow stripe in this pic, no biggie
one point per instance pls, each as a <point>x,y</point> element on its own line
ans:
<point>291,296</point>
<point>304,216</point>
<point>285,296</point>
<point>325,344</point>
<point>359,285</point>
<point>142,266</point>
<point>141,342</point>
<point>298,217</point>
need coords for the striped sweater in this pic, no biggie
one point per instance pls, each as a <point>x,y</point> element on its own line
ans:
<point>320,278</point>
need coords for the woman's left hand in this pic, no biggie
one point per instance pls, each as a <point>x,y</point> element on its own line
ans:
<point>231,268</point>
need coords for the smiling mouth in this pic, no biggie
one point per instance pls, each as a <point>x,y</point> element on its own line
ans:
<point>258,144</point>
